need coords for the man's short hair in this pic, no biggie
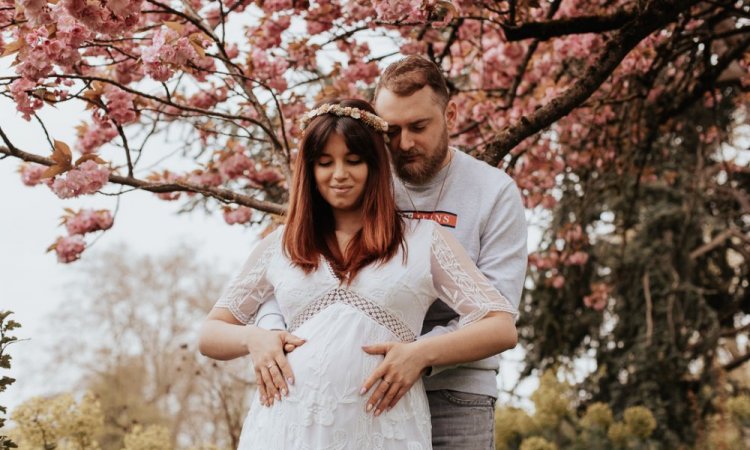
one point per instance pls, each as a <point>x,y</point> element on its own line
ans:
<point>407,76</point>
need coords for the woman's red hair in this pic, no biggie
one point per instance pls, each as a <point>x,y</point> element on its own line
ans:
<point>310,228</point>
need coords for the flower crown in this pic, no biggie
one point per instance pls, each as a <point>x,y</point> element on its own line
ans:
<point>368,118</point>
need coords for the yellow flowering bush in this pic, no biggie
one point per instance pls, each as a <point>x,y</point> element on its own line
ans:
<point>552,400</point>
<point>153,437</point>
<point>739,408</point>
<point>537,443</point>
<point>598,415</point>
<point>58,422</point>
<point>640,421</point>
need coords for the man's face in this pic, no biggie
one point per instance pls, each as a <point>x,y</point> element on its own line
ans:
<point>418,132</point>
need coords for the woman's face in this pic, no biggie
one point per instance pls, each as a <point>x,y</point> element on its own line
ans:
<point>340,175</point>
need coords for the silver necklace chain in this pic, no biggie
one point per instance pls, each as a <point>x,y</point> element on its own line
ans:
<point>440,192</point>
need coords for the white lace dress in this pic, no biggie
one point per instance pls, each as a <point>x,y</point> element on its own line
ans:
<point>385,303</point>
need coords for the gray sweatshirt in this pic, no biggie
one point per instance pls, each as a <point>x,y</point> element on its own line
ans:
<point>481,205</point>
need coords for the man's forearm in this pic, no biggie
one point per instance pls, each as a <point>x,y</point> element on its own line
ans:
<point>224,341</point>
<point>488,336</point>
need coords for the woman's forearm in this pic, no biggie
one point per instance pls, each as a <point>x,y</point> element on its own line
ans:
<point>222,340</point>
<point>488,336</point>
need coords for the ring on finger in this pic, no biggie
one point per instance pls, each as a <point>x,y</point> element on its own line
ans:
<point>270,365</point>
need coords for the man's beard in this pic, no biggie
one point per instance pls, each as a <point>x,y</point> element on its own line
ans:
<point>423,171</point>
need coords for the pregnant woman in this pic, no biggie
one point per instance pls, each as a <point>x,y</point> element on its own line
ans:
<point>348,271</point>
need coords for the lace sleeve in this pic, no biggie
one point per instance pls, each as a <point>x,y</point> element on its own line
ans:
<point>250,287</point>
<point>460,284</point>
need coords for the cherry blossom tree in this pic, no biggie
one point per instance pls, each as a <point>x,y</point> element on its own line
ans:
<point>591,105</point>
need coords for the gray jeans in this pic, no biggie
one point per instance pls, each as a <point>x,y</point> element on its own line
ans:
<point>461,420</point>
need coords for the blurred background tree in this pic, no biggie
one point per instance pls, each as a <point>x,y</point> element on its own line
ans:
<point>659,297</point>
<point>131,336</point>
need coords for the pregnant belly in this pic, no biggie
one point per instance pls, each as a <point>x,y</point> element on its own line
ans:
<point>332,359</point>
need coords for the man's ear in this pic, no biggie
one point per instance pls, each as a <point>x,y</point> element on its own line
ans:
<point>451,110</point>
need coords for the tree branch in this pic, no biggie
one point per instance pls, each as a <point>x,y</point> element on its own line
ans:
<point>562,27</point>
<point>221,194</point>
<point>596,73</point>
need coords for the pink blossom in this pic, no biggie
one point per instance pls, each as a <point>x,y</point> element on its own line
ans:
<point>272,6</point>
<point>243,214</point>
<point>266,176</point>
<point>558,281</point>
<point>69,248</point>
<point>87,178</point>
<point>393,10</point>
<point>36,10</point>
<point>578,258</point>
<point>110,17</point>
<point>120,105</point>
<point>88,221</point>
<point>599,296</point>
<point>236,165</point>
<point>268,34</point>
<point>270,71</point>
<point>302,54</point>
<point>366,72</point>
<point>165,177</point>
<point>93,137</point>
<point>170,51</point>
<point>31,174</point>
<point>25,103</point>
<point>209,98</point>
<point>208,178</point>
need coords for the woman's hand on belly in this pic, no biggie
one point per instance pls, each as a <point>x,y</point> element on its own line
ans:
<point>395,375</point>
<point>272,370</point>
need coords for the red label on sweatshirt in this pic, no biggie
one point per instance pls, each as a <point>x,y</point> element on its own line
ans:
<point>445,219</point>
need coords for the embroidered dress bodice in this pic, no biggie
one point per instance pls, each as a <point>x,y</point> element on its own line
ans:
<point>385,302</point>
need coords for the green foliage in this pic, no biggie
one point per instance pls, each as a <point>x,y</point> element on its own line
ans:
<point>6,327</point>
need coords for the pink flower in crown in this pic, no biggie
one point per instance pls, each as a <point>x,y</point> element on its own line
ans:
<point>87,178</point>
<point>243,214</point>
<point>31,174</point>
<point>236,166</point>
<point>25,103</point>
<point>558,281</point>
<point>69,248</point>
<point>88,221</point>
